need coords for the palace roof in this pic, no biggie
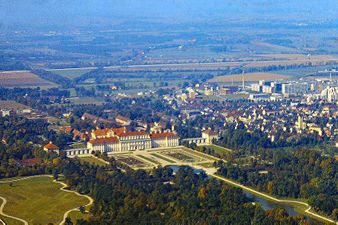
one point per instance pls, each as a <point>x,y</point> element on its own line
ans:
<point>163,135</point>
<point>104,140</point>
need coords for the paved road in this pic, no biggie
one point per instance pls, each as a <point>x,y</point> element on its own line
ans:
<point>91,201</point>
<point>4,201</point>
<point>62,189</point>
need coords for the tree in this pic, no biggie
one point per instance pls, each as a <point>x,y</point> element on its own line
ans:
<point>202,193</point>
<point>270,187</point>
<point>68,221</point>
<point>82,209</point>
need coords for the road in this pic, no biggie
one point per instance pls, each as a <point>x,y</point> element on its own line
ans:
<point>4,201</point>
<point>91,201</point>
<point>219,64</point>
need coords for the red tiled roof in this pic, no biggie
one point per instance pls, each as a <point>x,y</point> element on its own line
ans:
<point>133,133</point>
<point>51,146</point>
<point>163,135</point>
<point>119,131</point>
<point>68,130</point>
<point>101,132</point>
<point>30,162</point>
<point>103,140</point>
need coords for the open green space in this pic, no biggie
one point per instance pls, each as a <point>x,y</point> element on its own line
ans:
<point>92,160</point>
<point>215,148</point>
<point>38,200</point>
<point>163,158</point>
<point>206,165</point>
<point>77,215</point>
<point>71,73</point>
<point>199,154</point>
<point>149,159</point>
<point>86,101</point>
<point>10,221</point>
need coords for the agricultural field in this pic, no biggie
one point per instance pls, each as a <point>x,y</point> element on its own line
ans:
<point>12,105</point>
<point>86,101</point>
<point>249,77</point>
<point>23,79</point>
<point>72,73</point>
<point>39,195</point>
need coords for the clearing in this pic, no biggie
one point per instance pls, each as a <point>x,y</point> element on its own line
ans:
<point>38,200</point>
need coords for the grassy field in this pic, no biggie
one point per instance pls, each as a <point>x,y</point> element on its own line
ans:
<point>92,160</point>
<point>77,215</point>
<point>86,101</point>
<point>149,159</point>
<point>249,77</point>
<point>71,73</point>
<point>23,79</point>
<point>206,165</point>
<point>39,200</point>
<point>163,158</point>
<point>217,149</point>
<point>10,221</point>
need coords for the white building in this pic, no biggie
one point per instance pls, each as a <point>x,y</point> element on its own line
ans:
<point>166,139</point>
<point>295,88</point>
<point>330,94</point>
<point>119,140</point>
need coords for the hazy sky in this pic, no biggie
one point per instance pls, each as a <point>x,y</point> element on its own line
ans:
<point>62,11</point>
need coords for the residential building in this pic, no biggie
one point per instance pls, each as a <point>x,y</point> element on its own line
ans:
<point>123,121</point>
<point>50,147</point>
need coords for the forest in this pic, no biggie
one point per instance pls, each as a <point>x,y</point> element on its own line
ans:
<point>302,173</point>
<point>160,197</point>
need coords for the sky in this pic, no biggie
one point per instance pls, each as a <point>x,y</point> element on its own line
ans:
<point>73,11</point>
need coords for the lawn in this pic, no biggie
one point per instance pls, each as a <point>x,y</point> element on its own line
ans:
<point>10,221</point>
<point>163,158</point>
<point>92,160</point>
<point>149,159</point>
<point>218,149</point>
<point>39,200</point>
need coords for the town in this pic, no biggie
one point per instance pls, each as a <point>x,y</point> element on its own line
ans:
<point>168,112</point>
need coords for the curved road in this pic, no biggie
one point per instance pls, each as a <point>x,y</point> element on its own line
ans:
<point>4,201</point>
<point>62,189</point>
<point>91,201</point>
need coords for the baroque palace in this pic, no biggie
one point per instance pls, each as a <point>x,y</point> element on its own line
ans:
<point>114,140</point>
<point>119,139</point>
